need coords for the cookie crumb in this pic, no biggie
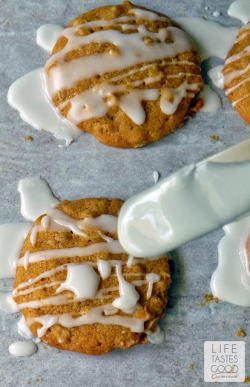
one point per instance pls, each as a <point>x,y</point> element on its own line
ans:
<point>45,347</point>
<point>247,379</point>
<point>209,297</point>
<point>191,366</point>
<point>241,333</point>
<point>59,351</point>
<point>214,137</point>
<point>28,138</point>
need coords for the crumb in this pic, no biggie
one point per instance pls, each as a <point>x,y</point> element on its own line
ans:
<point>58,351</point>
<point>214,137</point>
<point>37,380</point>
<point>28,138</point>
<point>29,382</point>
<point>67,170</point>
<point>17,170</point>
<point>247,379</point>
<point>209,297</point>
<point>191,366</point>
<point>241,333</point>
<point>45,347</point>
<point>6,22</point>
<point>27,173</point>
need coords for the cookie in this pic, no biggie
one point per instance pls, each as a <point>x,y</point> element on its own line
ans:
<point>236,73</point>
<point>76,286</point>
<point>125,74</point>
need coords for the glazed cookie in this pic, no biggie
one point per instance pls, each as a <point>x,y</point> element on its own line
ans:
<point>237,73</point>
<point>126,74</point>
<point>76,286</point>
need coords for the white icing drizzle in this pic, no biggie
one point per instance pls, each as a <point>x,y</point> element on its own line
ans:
<point>82,280</point>
<point>112,247</point>
<point>23,329</point>
<point>36,197</point>
<point>130,261</point>
<point>94,315</point>
<point>171,97</point>
<point>7,304</point>
<point>33,235</point>
<point>240,9</point>
<point>216,76</point>
<point>156,176</point>
<point>212,100</point>
<point>157,337</point>
<point>56,220</point>
<point>28,95</point>
<point>240,99</point>
<point>220,38</point>
<point>104,268</point>
<point>152,278</point>
<point>12,236</point>
<point>23,348</point>
<point>26,260</point>
<point>92,103</point>
<point>128,294</point>
<point>231,280</point>
<point>47,36</point>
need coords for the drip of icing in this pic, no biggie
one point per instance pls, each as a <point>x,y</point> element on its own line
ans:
<point>183,206</point>
<point>47,36</point>
<point>172,97</point>
<point>130,261</point>
<point>23,348</point>
<point>128,294</point>
<point>58,220</point>
<point>156,176</point>
<point>28,95</point>
<point>36,197</point>
<point>157,337</point>
<point>7,304</point>
<point>152,278</point>
<point>12,236</point>
<point>230,281</point>
<point>82,280</point>
<point>220,38</point>
<point>216,76</point>
<point>104,268</point>
<point>23,329</point>
<point>95,315</point>
<point>240,9</point>
<point>212,100</point>
<point>33,235</point>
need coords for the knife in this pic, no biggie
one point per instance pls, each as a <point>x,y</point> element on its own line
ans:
<point>189,203</point>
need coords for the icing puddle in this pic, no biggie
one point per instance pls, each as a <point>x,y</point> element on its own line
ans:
<point>29,94</point>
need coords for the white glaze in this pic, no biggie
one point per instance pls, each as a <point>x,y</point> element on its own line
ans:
<point>82,280</point>
<point>185,205</point>
<point>220,38</point>
<point>216,76</point>
<point>7,304</point>
<point>157,337</point>
<point>28,95</point>
<point>36,197</point>
<point>216,13</point>
<point>212,101</point>
<point>23,348</point>
<point>104,268</point>
<point>112,247</point>
<point>128,294</point>
<point>231,280</point>
<point>156,176</point>
<point>23,329</point>
<point>47,36</point>
<point>12,236</point>
<point>95,315</point>
<point>240,9</point>
<point>152,278</point>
